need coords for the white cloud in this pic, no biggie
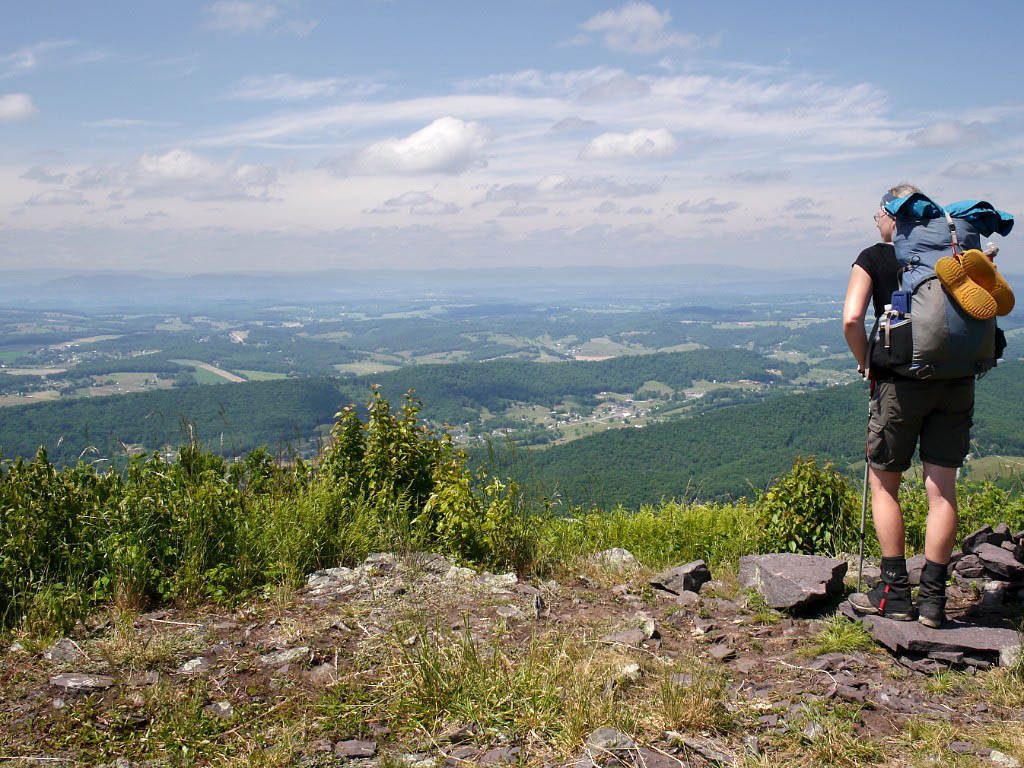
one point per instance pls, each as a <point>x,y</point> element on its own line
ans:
<point>38,173</point>
<point>57,197</point>
<point>448,145</point>
<point>126,122</point>
<point>567,83</point>
<point>573,124</point>
<point>758,177</point>
<point>419,203</point>
<point>283,87</point>
<point>566,188</point>
<point>523,210</point>
<point>799,204</point>
<point>638,28</point>
<point>606,207</point>
<point>16,106</point>
<point>949,134</point>
<point>180,173</point>
<point>239,16</point>
<point>708,206</point>
<point>639,144</point>
<point>621,87</point>
<point>979,171</point>
<point>300,29</point>
<point>27,58</point>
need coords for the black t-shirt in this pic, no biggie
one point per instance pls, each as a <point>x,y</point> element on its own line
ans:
<point>879,261</point>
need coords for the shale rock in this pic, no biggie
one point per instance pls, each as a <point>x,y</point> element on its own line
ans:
<point>683,578</point>
<point>999,561</point>
<point>982,644</point>
<point>80,683</point>
<point>790,581</point>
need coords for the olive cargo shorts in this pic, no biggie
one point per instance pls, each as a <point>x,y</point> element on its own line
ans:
<point>939,412</point>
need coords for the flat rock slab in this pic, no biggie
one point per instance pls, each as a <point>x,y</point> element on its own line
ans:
<point>287,656</point>
<point>998,560</point>
<point>790,581</point>
<point>683,578</point>
<point>953,637</point>
<point>82,683</point>
<point>355,748</point>
<point>63,651</point>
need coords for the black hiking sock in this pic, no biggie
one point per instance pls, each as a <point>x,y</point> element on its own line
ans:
<point>931,597</point>
<point>892,594</point>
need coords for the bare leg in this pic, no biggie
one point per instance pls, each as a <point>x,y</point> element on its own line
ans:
<point>885,509</point>
<point>940,485</point>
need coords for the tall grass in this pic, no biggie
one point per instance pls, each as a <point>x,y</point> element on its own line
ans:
<point>202,528</point>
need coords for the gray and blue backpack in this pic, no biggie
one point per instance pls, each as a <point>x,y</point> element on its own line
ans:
<point>924,333</point>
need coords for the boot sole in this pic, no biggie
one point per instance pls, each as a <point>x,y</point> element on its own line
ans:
<point>981,270</point>
<point>929,622</point>
<point>975,300</point>
<point>871,610</point>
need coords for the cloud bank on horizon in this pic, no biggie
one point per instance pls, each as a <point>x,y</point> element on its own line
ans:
<point>291,134</point>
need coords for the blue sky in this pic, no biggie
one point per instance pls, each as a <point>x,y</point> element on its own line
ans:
<point>252,135</point>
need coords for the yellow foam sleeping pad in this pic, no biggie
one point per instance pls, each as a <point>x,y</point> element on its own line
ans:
<point>975,300</point>
<point>982,270</point>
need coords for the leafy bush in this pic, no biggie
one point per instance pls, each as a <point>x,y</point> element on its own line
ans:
<point>812,510</point>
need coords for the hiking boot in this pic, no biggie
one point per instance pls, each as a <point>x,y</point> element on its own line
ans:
<point>891,597</point>
<point>975,300</point>
<point>982,270</point>
<point>884,600</point>
<point>931,597</point>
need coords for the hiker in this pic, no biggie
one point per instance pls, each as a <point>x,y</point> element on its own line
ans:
<point>938,411</point>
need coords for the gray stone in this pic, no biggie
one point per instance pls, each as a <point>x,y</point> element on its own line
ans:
<point>961,747</point>
<point>500,756</point>
<point>605,740</point>
<point>915,565</point>
<point>63,651</point>
<point>721,652</point>
<point>994,594</point>
<point>194,666</point>
<point>912,637</point>
<point>323,674</point>
<point>629,672</point>
<point>687,598</point>
<point>221,709</point>
<point>871,576</point>
<point>355,748</point>
<point>615,558</point>
<point>985,535</point>
<point>998,560</point>
<point>1003,760</point>
<point>81,683</point>
<point>968,563</point>
<point>650,758</point>
<point>499,582</point>
<point>683,578</point>
<point>631,637</point>
<point>789,581</point>
<point>286,656</point>
<point>509,612</point>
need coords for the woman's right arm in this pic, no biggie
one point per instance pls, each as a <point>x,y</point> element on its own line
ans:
<point>858,294</point>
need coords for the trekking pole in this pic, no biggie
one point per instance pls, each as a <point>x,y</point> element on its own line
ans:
<point>864,490</point>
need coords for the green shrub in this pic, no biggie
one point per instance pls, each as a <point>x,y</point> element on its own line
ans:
<point>812,510</point>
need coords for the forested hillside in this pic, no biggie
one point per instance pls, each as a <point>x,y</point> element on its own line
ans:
<point>735,450</point>
<point>247,415</point>
<point>457,392</point>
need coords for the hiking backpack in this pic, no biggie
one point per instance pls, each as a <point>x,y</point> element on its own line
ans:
<point>925,334</point>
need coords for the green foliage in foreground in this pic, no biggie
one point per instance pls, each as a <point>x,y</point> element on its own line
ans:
<point>202,528</point>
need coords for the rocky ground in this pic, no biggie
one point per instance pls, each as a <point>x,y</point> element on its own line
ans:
<point>411,660</point>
